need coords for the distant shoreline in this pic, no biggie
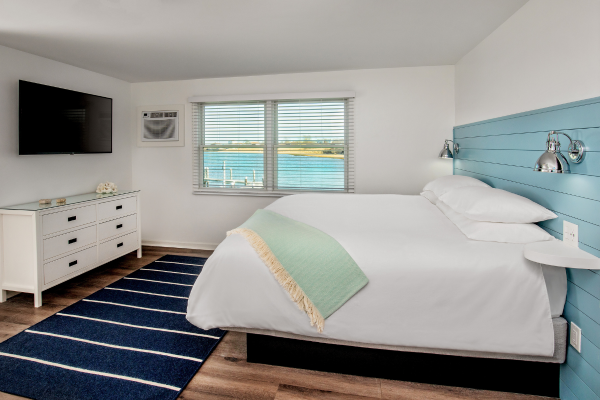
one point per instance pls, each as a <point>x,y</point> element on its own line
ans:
<point>291,152</point>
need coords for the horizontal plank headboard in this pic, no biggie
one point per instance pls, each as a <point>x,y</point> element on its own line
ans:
<point>502,153</point>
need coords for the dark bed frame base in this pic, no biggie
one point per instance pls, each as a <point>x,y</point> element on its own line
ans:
<point>527,377</point>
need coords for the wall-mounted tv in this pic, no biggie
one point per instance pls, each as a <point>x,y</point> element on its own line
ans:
<point>61,121</point>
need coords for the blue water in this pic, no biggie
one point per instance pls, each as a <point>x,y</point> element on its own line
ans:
<point>294,172</point>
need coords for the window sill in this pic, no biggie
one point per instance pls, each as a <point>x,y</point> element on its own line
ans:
<point>239,193</point>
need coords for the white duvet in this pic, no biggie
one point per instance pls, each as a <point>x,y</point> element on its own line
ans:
<point>429,286</point>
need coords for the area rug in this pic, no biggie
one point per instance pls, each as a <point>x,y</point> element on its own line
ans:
<point>129,340</point>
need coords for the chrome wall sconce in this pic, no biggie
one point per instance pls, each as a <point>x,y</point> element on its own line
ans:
<point>553,161</point>
<point>446,153</point>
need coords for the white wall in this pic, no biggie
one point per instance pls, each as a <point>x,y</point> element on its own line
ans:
<point>547,53</point>
<point>29,178</point>
<point>402,116</point>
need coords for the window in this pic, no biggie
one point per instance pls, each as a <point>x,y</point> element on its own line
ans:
<point>234,146</point>
<point>273,146</point>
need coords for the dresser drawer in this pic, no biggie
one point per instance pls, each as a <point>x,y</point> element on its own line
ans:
<point>69,241</point>
<point>118,246</point>
<point>69,264</point>
<point>117,208</point>
<point>117,227</point>
<point>60,221</point>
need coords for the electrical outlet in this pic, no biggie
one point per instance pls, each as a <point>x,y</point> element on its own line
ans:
<point>575,337</point>
<point>571,234</point>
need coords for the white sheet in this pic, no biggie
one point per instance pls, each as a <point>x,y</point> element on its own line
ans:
<point>429,286</point>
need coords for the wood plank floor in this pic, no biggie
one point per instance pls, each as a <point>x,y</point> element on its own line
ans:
<point>226,374</point>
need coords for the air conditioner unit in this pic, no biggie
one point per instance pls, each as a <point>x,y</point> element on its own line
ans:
<point>160,126</point>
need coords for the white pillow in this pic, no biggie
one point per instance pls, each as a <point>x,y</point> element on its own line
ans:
<point>495,205</point>
<point>493,231</point>
<point>429,195</point>
<point>444,184</point>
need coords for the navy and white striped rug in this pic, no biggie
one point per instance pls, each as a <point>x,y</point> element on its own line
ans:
<point>129,340</point>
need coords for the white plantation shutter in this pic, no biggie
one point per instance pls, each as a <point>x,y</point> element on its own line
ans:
<point>274,147</point>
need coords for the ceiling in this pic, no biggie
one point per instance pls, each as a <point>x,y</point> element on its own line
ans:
<point>156,40</point>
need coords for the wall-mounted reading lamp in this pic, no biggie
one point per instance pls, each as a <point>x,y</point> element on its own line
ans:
<point>553,161</point>
<point>446,153</point>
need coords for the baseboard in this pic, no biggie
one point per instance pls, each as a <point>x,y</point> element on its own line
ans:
<point>180,245</point>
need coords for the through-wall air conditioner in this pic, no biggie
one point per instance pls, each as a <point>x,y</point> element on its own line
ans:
<point>158,126</point>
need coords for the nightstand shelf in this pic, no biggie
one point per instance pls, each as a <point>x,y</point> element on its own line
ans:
<point>555,252</point>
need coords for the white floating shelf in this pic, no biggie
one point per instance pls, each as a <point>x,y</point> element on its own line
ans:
<point>555,252</point>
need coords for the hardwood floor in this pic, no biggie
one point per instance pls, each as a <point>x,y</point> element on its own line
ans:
<point>226,374</point>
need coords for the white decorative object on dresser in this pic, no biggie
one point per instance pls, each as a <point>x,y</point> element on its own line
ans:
<point>43,245</point>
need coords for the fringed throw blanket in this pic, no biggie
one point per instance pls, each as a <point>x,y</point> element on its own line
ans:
<point>316,271</point>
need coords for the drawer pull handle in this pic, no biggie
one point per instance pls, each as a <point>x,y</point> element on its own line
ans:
<point>72,218</point>
<point>119,207</point>
<point>119,226</point>
<point>73,241</point>
<point>72,263</point>
<point>119,244</point>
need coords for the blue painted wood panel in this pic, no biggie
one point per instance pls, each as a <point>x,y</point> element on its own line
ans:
<point>585,279</point>
<point>502,153</point>
<point>571,185</point>
<point>589,328</point>
<point>530,141</point>
<point>574,382</point>
<point>526,159</point>
<point>584,301</point>
<point>590,353</point>
<point>565,392</point>
<point>583,370</point>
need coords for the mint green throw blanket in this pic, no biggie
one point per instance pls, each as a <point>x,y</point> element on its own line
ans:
<point>316,271</point>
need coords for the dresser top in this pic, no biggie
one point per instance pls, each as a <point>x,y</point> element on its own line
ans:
<point>80,198</point>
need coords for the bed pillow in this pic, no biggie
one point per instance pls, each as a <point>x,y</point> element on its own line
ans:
<point>429,195</point>
<point>495,205</point>
<point>444,184</point>
<point>494,231</point>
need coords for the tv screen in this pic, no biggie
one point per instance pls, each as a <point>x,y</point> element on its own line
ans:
<point>60,121</point>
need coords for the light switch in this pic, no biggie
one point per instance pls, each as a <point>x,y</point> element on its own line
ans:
<point>575,337</point>
<point>571,234</point>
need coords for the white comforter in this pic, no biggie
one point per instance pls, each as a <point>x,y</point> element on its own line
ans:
<point>429,286</point>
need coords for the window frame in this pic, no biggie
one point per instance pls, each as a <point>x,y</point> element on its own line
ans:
<point>270,145</point>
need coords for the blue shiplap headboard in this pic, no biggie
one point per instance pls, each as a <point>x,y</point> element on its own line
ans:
<point>502,153</point>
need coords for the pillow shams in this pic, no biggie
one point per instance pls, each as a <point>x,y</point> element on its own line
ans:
<point>429,195</point>
<point>493,231</point>
<point>495,205</point>
<point>444,184</point>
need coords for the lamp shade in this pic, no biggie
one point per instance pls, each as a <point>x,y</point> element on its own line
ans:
<point>552,160</point>
<point>446,153</point>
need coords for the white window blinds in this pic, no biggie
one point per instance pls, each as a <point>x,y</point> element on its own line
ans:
<point>233,145</point>
<point>274,146</point>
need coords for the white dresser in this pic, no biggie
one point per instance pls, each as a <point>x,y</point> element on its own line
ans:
<point>44,245</point>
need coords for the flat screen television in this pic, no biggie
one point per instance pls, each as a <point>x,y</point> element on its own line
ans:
<point>61,121</point>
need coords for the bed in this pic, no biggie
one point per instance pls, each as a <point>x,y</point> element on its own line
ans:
<point>430,290</point>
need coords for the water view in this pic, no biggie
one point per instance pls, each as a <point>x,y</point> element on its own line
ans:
<point>246,170</point>
<point>310,137</point>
